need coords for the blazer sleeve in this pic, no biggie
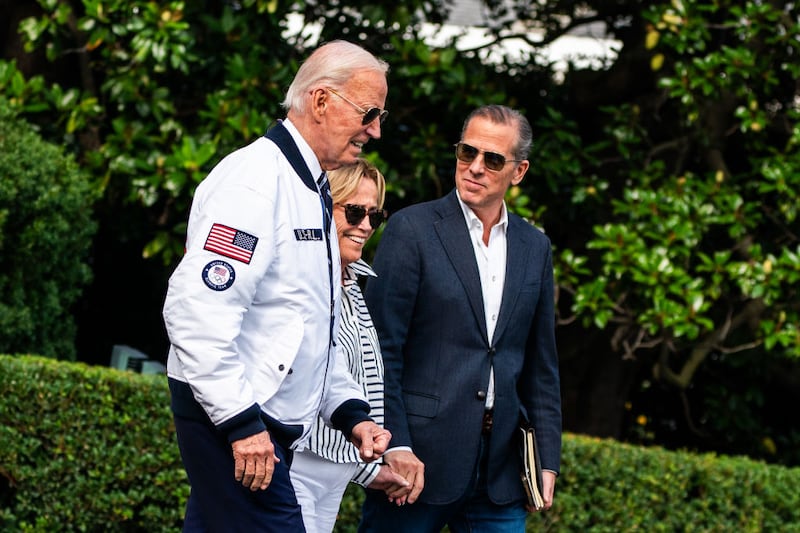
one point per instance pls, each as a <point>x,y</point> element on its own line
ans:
<point>540,389</point>
<point>390,298</point>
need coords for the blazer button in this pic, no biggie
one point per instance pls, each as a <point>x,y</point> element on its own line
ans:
<point>481,395</point>
<point>281,367</point>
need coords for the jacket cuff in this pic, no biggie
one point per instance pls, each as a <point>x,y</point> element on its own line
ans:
<point>245,424</point>
<point>350,413</point>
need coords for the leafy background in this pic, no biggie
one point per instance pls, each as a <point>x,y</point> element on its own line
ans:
<point>666,176</point>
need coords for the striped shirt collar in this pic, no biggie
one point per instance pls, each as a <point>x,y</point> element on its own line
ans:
<point>358,268</point>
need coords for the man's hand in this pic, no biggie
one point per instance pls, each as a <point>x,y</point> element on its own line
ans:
<point>390,482</point>
<point>411,468</point>
<point>254,460</point>
<point>371,440</point>
<point>548,490</point>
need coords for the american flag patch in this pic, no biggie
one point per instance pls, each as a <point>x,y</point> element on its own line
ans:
<point>231,243</point>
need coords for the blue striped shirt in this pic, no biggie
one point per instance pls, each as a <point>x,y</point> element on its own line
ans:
<point>358,343</point>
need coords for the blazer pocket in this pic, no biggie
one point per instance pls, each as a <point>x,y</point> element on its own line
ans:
<point>419,404</point>
<point>530,285</point>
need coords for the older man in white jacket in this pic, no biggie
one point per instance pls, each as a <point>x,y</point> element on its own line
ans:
<point>251,308</point>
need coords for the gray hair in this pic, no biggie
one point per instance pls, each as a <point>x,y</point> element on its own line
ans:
<point>331,64</point>
<point>500,114</point>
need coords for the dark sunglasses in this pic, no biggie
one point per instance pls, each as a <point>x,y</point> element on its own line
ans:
<point>492,160</point>
<point>354,214</point>
<point>369,114</point>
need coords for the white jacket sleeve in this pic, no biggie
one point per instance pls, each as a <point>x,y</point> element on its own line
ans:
<point>341,388</point>
<point>203,317</point>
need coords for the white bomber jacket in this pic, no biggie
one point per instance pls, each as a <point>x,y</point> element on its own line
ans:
<point>250,308</point>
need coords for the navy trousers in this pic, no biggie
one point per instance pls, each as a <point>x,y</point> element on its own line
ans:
<point>473,513</point>
<point>219,503</point>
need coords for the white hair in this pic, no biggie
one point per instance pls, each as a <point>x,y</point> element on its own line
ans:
<point>332,64</point>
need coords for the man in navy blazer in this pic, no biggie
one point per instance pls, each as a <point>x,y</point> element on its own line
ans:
<point>464,308</point>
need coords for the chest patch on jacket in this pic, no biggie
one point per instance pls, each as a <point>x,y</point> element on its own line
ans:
<point>308,234</point>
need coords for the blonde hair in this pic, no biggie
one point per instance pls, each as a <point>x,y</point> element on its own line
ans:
<point>332,64</point>
<point>344,180</point>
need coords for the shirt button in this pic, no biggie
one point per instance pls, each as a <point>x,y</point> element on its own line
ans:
<point>481,395</point>
<point>281,367</point>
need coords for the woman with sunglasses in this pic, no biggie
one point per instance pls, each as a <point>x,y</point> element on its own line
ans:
<point>320,473</point>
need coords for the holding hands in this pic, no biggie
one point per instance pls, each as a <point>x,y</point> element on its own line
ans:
<point>371,440</point>
<point>409,467</point>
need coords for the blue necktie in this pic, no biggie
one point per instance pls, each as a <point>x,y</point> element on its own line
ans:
<point>325,193</point>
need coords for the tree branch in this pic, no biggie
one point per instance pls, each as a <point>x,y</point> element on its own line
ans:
<point>664,373</point>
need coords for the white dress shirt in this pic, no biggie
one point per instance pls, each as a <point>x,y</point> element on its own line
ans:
<point>491,261</point>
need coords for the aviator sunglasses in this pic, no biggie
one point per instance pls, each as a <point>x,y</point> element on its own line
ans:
<point>369,114</point>
<point>354,214</point>
<point>492,160</point>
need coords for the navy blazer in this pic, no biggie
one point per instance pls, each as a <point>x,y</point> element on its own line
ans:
<point>427,305</point>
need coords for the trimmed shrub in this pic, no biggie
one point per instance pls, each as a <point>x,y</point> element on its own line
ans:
<point>609,486</point>
<point>46,229</point>
<point>93,449</point>
<point>86,448</point>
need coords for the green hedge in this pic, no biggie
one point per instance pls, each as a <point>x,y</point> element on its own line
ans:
<point>46,229</point>
<point>608,486</point>
<point>87,448</point>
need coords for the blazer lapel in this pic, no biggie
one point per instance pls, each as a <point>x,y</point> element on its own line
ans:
<point>517,250</point>
<point>455,238</point>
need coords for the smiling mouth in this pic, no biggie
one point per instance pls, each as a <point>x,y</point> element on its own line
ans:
<point>357,240</point>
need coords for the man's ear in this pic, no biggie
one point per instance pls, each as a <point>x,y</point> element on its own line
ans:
<point>319,103</point>
<point>520,171</point>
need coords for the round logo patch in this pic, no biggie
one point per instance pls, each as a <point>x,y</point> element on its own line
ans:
<point>218,275</point>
